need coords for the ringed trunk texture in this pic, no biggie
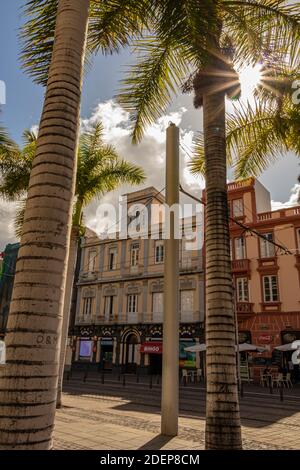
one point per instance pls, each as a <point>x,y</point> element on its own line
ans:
<point>66,311</point>
<point>28,383</point>
<point>223,429</point>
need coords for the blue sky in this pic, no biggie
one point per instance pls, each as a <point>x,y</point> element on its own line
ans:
<point>25,99</point>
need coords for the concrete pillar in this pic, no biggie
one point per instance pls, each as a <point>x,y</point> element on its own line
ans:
<point>170,370</point>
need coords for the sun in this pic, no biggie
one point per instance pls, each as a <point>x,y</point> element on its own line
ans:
<point>250,77</point>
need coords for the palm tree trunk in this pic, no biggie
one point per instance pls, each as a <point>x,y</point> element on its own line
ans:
<point>223,430</point>
<point>29,381</point>
<point>66,312</point>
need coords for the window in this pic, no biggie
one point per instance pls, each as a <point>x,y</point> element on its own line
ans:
<point>242,291</point>
<point>187,300</point>
<point>159,252</point>
<point>298,239</point>
<point>240,251</point>
<point>92,261</point>
<point>267,249</point>
<point>134,258</point>
<point>230,242</point>
<point>270,288</point>
<point>112,263</point>
<point>187,305</point>
<point>157,305</point>
<point>109,307</point>
<point>132,303</point>
<point>87,306</point>
<point>237,208</point>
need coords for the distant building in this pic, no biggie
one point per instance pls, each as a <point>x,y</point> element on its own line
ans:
<point>7,273</point>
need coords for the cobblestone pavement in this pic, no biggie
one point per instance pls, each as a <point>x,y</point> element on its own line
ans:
<point>102,422</point>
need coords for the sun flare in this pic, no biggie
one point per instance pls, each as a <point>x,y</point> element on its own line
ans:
<point>250,77</point>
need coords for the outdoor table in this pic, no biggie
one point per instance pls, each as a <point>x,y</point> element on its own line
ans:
<point>192,374</point>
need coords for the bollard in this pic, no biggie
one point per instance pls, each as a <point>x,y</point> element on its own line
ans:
<point>150,382</point>
<point>124,382</point>
<point>102,378</point>
<point>137,377</point>
<point>242,390</point>
<point>157,381</point>
<point>281,393</point>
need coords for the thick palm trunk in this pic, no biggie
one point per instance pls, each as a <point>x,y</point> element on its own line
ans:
<point>66,311</point>
<point>223,429</point>
<point>29,381</point>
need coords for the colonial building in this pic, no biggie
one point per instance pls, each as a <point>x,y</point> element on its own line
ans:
<point>266,277</point>
<point>119,312</point>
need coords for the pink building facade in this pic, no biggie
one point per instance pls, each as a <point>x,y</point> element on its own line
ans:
<point>266,277</point>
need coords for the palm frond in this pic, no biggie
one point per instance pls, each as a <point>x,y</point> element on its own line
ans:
<point>151,83</point>
<point>257,138</point>
<point>263,27</point>
<point>37,38</point>
<point>19,218</point>
<point>114,24</point>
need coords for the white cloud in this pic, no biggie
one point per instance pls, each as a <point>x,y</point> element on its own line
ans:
<point>150,153</point>
<point>7,213</point>
<point>293,200</point>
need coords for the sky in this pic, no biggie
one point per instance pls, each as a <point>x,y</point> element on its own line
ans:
<point>24,103</point>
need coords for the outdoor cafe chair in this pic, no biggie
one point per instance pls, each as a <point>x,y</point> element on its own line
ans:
<point>264,379</point>
<point>287,380</point>
<point>185,376</point>
<point>199,375</point>
<point>277,380</point>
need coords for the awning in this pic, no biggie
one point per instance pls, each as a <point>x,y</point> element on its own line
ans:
<point>242,347</point>
<point>289,346</point>
<point>151,347</point>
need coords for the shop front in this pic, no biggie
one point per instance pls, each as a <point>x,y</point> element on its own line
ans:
<point>154,351</point>
<point>106,354</point>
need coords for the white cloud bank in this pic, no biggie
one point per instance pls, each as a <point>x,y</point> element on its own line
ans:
<point>293,200</point>
<point>150,154</point>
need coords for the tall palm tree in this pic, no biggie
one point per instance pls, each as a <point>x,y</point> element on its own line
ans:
<point>99,171</point>
<point>57,38</point>
<point>237,32</point>
<point>29,380</point>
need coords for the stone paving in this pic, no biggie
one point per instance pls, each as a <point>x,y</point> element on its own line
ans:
<point>95,422</point>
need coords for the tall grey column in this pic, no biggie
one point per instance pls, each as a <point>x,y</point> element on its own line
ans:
<point>170,370</point>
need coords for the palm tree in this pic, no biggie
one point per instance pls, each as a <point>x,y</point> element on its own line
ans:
<point>236,32</point>
<point>57,38</point>
<point>99,171</point>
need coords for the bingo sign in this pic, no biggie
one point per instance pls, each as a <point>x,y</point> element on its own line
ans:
<point>265,338</point>
<point>151,348</point>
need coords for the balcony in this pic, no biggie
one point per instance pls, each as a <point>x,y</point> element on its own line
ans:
<point>86,276</point>
<point>190,265</point>
<point>244,308</point>
<point>240,265</point>
<point>84,320</point>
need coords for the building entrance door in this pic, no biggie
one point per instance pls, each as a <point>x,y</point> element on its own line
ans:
<point>155,364</point>
<point>131,346</point>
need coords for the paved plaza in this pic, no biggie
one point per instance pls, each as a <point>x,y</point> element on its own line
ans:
<point>112,416</point>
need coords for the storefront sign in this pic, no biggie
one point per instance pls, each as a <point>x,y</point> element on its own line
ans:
<point>265,339</point>
<point>151,348</point>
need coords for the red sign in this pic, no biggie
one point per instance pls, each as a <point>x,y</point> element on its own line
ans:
<point>151,348</point>
<point>265,338</point>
